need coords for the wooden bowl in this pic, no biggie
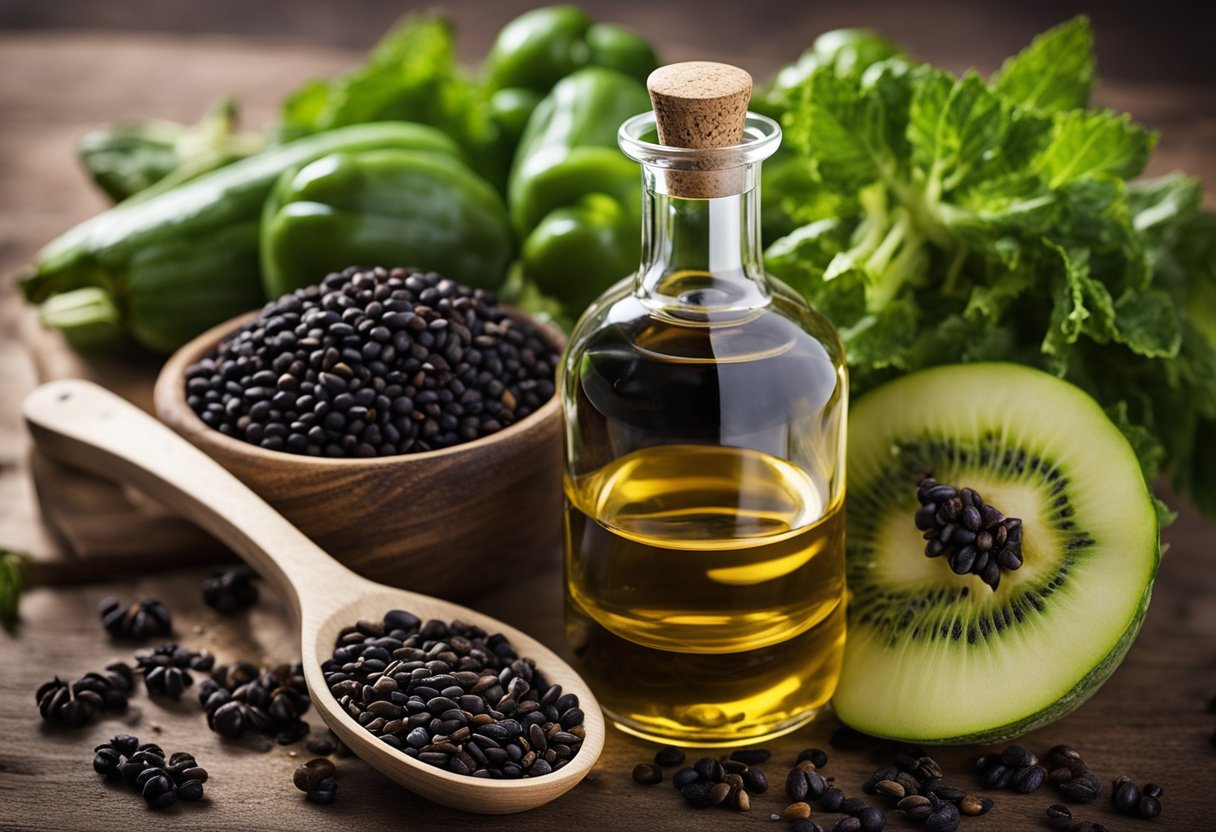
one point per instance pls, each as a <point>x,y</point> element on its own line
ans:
<point>450,523</point>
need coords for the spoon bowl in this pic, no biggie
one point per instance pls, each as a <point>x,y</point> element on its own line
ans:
<point>82,424</point>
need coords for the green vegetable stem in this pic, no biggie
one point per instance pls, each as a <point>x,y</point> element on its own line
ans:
<point>131,157</point>
<point>383,207</point>
<point>946,218</point>
<point>575,199</point>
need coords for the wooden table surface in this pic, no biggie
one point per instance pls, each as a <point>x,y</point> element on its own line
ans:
<point>1149,722</point>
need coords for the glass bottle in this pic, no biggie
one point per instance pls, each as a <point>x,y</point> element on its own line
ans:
<point>704,405</point>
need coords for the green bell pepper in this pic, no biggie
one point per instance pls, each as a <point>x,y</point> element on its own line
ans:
<point>542,46</point>
<point>383,208</point>
<point>575,199</point>
<point>185,259</point>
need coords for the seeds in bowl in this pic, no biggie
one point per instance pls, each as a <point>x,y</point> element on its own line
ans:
<point>454,697</point>
<point>373,362</point>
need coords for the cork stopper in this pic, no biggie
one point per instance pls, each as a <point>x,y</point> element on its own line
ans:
<point>701,104</point>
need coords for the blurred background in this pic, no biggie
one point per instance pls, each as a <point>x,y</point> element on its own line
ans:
<point>1137,41</point>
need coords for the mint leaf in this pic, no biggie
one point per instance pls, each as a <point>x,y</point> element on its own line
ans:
<point>1080,304</point>
<point>955,128</point>
<point>1094,143</point>
<point>1054,73</point>
<point>830,123</point>
<point>1148,323</point>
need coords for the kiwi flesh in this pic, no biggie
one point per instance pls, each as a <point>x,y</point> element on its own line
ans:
<point>935,657</point>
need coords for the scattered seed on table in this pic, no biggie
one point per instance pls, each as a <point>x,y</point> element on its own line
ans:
<point>142,619</point>
<point>973,804</point>
<point>847,824</point>
<point>645,774</point>
<point>832,798</point>
<point>796,811</point>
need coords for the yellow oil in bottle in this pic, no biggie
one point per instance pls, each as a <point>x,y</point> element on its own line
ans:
<point>705,592</point>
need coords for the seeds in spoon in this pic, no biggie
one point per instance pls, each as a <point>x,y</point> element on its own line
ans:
<point>452,696</point>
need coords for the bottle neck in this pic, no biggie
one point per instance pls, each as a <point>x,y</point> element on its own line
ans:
<point>701,256</point>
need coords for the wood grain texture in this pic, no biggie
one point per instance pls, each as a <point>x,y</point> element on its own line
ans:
<point>403,520</point>
<point>1148,722</point>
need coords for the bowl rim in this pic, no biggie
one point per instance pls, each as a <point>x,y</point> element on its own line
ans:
<point>169,401</point>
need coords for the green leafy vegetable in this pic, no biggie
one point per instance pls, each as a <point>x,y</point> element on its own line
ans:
<point>950,218</point>
<point>411,75</point>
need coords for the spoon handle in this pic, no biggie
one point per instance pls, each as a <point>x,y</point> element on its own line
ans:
<point>83,424</point>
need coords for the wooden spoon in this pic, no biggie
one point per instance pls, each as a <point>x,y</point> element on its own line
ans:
<point>85,425</point>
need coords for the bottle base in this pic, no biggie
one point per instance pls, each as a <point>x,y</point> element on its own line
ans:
<point>708,699</point>
<point>681,736</point>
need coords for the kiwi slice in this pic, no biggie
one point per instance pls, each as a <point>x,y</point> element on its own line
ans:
<point>935,657</point>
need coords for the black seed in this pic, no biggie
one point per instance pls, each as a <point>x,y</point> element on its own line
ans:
<point>646,774</point>
<point>683,777</point>
<point>872,819</point>
<point>1150,807</point>
<point>755,781</point>
<point>796,785</point>
<point>832,799</point>
<point>1028,779</point>
<point>1083,788</point>
<point>1126,798</point>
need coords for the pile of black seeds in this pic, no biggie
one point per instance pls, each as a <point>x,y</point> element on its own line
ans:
<point>1016,768</point>
<point>161,782</point>
<point>1071,776</point>
<point>730,782</point>
<point>166,669</point>
<point>231,590</point>
<point>373,363</point>
<point>452,696</point>
<point>142,619</point>
<point>1130,799</point>
<point>75,703</point>
<point>316,779</point>
<point>240,697</point>
<point>974,537</point>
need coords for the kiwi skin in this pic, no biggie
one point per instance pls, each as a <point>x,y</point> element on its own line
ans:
<point>1085,409</point>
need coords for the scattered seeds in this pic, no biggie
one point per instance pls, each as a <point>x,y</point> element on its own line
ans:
<point>144,767</point>
<point>75,703</point>
<point>142,619</point>
<point>231,590</point>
